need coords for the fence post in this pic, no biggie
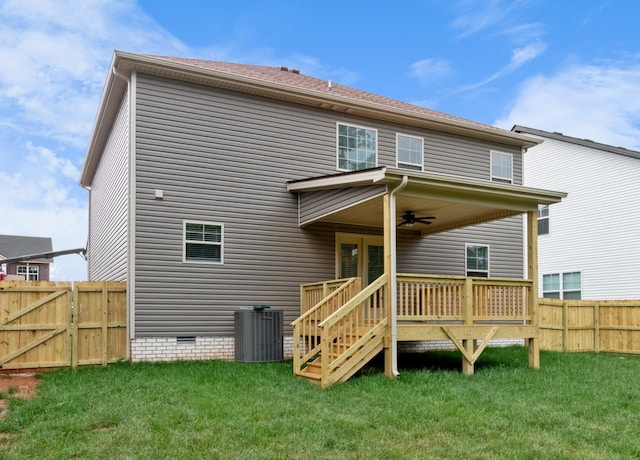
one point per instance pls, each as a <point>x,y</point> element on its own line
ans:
<point>596,324</point>
<point>565,326</point>
<point>74,325</point>
<point>105,324</point>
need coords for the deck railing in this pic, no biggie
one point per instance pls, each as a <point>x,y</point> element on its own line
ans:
<point>306,332</point>
<point>462,299</point>
<point>313,293</point>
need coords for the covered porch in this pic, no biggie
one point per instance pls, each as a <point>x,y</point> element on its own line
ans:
<point>347,321</point>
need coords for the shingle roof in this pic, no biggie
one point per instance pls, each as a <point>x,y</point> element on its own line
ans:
<point>574,140</point>
<point>16,246</point>
<point>293,78</point>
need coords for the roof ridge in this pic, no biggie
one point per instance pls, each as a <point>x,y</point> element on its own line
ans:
<point>295,78</point>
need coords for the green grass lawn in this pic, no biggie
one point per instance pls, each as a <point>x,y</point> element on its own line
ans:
<point>576,406</point>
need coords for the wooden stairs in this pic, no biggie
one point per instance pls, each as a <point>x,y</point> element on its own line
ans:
<point>331,345</point>
<point>342,366</point>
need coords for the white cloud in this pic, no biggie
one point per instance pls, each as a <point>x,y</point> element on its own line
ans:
<point>473,16</point>
<point>596,102</point>
<point>519,57</point>
<point>429,71</point>
<point>55,56</point>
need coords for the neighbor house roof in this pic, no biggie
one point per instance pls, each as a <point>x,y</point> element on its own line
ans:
<point>277,83</point>
<point>15,246</point>
<point>574,140</point>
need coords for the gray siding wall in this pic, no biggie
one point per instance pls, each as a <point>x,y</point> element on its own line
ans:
<point>444,253</point>
<point>317,204</point>
<point>225,158</point>
<point>108,206</point>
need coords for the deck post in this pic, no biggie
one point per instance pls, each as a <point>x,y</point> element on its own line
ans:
<point>388,348</point>
<point>532,300</point>
<point>468,344</point>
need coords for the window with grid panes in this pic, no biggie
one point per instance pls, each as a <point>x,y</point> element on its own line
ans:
<point>203,242</point>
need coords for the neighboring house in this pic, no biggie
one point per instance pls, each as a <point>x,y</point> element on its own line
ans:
<point>12,246</point>
<point>217,186</point>
<point>588,245</point>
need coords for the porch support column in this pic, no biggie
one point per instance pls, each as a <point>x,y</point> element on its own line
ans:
<point>532,300</point>
<point>389,349</point>
<point>391,299</point>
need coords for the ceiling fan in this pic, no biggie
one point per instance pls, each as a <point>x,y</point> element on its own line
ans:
<point>409,219</point>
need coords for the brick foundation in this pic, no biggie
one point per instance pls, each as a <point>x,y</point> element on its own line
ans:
<point>200,348</point>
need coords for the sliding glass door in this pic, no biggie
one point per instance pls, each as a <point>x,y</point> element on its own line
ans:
<point>359,255</point>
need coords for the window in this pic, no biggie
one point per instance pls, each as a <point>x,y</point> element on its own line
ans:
<point>477,260</point>
<point>29,272</point>
<point>501,167</point>
<point>571,285</point>
<point>551,286</point>
<point>543,219</point>
<point>562,286</point>
<point>357,148</point>
<point>203,242</point>
<point>409,152</point>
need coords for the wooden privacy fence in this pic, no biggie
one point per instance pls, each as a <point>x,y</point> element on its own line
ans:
<point>57,324</point>
<point>590,325</point>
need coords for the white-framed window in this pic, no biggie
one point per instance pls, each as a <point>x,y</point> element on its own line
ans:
<point>566,285</point>
<point>409,152</point>
<point>203,242</point>
<point>501,167</point>
<point>572,285</point>
<point>357,147</point>
<point>477,260</point>
<point>543,219</point>
<point>30,272</point>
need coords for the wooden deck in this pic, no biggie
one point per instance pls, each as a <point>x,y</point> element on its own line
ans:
<point>468,311</point>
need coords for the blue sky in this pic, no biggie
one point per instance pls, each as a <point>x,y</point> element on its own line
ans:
<point>556,65</point>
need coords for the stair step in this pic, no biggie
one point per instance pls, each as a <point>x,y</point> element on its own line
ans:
<point>313,367</point>
<point>310,375</point>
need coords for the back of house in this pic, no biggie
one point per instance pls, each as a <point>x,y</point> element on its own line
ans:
<point>189,167</point>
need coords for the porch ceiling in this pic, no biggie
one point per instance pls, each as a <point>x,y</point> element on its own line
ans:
<point>454,201</point>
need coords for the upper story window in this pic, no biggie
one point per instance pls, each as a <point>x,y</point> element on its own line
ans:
<point>357,147</point>
<point>30,272</point>
<point>543,219</point>
<point>477,260</point>
<point>501,167</point>
<point>562,285</point>
<point>203,242</point>
<point>409,151</point>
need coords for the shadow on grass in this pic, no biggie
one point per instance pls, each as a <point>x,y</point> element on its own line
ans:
<point>451,360</point>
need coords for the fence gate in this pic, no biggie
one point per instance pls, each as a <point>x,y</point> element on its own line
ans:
<point>55,324</point>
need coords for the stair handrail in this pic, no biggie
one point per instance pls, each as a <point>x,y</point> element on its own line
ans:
<point>302,355</point>
<point>335,293</point>
<point>326,377</point>
<point>354,302</point>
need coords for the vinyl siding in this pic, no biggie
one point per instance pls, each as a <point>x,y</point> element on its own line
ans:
<point>314,205</point>
<point>466,157</point>
<point>444,253</point>
<point>223,157</point>
<point>595,229</point>
<point>108,217</point>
